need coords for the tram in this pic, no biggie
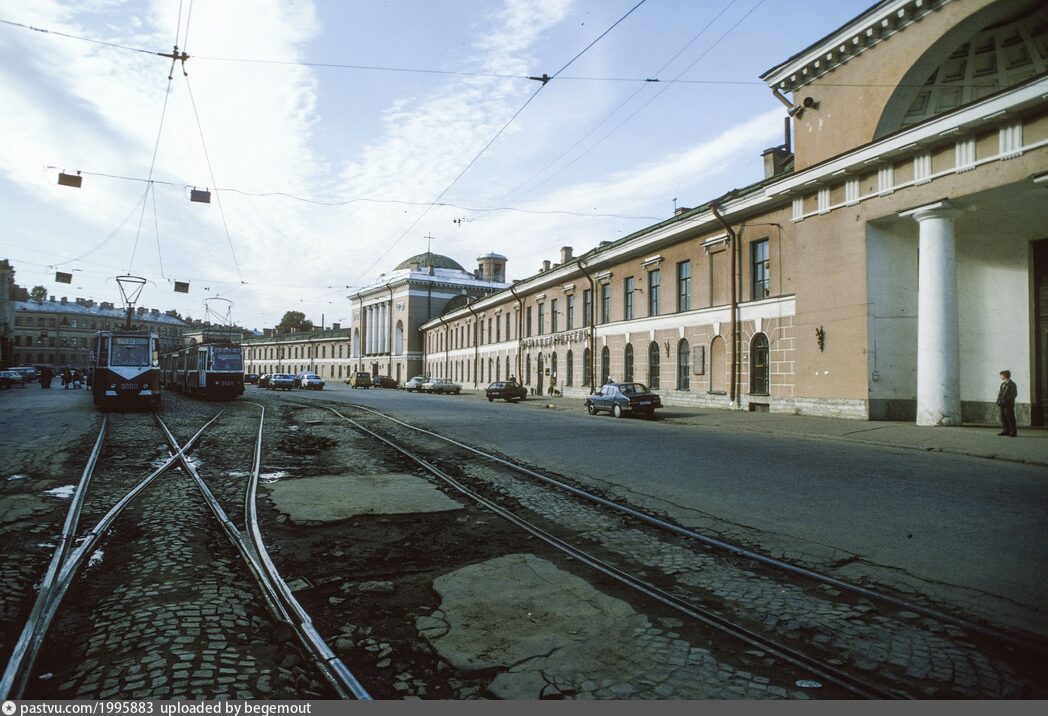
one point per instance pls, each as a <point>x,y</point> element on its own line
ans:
<point>126,369</point>
<point>212,370</point>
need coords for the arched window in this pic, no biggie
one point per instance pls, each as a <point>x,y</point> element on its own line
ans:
<point>398,339</point>
<point>627,363</point>
<point>683,361</point>
<point>569,379</point>
<point>527,370</point>
<point>653,365</point>
<point>553,366</point>
<point>508,371</point>
<point>587,367</point>
<point>759,374</point>
<point>605,365</point>
<point>718,364</point>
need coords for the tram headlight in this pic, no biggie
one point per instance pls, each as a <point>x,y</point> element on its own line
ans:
<point>112,386</point>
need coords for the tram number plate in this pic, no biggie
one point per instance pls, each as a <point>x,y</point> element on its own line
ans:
<point>644,402</point>
<point>129,386</point>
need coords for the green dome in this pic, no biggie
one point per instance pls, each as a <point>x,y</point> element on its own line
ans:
<point>430,259</point>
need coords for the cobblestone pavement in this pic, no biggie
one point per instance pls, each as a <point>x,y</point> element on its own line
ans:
<point>166,608</point>
<point>902,648</point>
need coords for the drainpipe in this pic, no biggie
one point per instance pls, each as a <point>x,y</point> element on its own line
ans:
<point>476,344</point>
<point>389,368</point>
<point>447,347</point>
<point>732,242</point>
<point>520,332</point>
<point>592,321</point>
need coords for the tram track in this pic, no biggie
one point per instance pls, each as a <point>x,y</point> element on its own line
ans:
<point>66,568</point>
<point>965,670</point>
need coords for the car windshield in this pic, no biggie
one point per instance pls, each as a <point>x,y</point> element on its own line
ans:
<point>498,385</point>
<point>130,351</point>
<point>228,359</point>
<point>633,388</point>
<point>310,376</point>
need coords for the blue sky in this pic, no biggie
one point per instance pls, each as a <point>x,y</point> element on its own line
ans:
<point>593,157</point>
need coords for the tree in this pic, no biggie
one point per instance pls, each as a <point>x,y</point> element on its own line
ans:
<point>38,293</point>
<point>294,320</point>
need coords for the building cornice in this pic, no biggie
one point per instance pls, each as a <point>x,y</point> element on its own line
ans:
<point>861,34</point>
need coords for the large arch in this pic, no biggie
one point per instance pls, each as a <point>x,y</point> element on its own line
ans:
<point>718,365</point>
<point>760,376</point>
<point>605,365</point>
<point>997,47</point>
<point>627,363</point>
<point>653,365</point>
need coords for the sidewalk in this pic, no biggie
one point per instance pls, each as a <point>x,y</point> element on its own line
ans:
<point>1031,447</point>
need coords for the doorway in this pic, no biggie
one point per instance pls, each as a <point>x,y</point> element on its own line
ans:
<point>1039,409</point>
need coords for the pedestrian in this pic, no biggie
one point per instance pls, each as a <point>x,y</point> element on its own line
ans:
<point>67,377</point>
<point>76,379</point>
<point>47,374</point>
<point>553,385</point>
<point>90,376</point>
<point>1006,400</point>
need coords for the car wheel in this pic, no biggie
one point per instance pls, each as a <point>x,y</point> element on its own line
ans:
<point>650,415</point>
<point>491,400</point>
<point>591,408</point>
<point>458,392</point>
<point>616,410</point>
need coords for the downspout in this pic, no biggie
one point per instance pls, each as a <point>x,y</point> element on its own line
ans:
<point>520,332</point>
<point>732,241</point>
<point>476,344</point>
<point>592,328</point>
<point>389,368</point>
<point>447,346</point>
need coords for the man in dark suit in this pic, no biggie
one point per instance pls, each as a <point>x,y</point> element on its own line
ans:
<point>1006,400</point>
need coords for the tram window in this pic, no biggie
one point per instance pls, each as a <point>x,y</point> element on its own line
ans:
<point>129,351</point>
<point>103,351</point>
<point>156,352</point>
<point>228,359</point>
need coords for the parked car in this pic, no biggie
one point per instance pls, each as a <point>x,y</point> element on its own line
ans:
<point>621,398</point>
<point>263,380</point>
<point>11,377</point>
<point>415,383</point>
<point>281,381</point>
<point>508,390</point>
<point>441,385</point>
<point>383,381</point>
<point>29,373</point>
<point>361,379</point>
<point>308,380</point>
<point>251,377</point>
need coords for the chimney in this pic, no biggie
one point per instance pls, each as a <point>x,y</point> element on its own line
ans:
<point>267,332</point>
<point>66,300</point>
<point>52,299</point>
<point>681,210</point>
<point>545,265</point>
<point>336,326</point>
<point>565,254</point>
<point>774,159</point>
<point>140,310</point>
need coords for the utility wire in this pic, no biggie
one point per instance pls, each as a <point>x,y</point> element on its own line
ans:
<point>544,80</point>
<point>156,226</point>
<point>211,172</point>
<point>152,166</point>
<point>508,197</point>
<point>111,234</point>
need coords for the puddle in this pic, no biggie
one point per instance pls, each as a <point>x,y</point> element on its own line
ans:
<point>17,477</point>
<point>95,558</point>
<point>267,477</point>
<point>292,427</point>
<point>64,492</point>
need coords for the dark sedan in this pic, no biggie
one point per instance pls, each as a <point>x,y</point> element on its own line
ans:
<point>508,390</point>
<point>621,398</point>
<point>383,381</point>
<point>251,377</point>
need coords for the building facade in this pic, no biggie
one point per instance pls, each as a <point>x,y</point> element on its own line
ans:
<point>387,315</point>
<point>59,332</point>
<point>891,262</point>
<point>324,352</point>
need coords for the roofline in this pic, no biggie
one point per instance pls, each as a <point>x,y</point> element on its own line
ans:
<point>863,32</point>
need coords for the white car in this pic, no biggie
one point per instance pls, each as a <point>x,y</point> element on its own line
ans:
<point>441,385</point>
<point>415,383</point>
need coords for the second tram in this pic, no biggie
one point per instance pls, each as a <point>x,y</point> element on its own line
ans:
<point>126,369</point>
<point>213,371</point>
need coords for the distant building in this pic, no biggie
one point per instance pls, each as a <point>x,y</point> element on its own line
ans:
<point>324,352</point>
<point>7,313</point>
<point>59,332</point>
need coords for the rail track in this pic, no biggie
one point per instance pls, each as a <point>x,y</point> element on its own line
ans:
<point>983,660</point>
<point>73,549</point>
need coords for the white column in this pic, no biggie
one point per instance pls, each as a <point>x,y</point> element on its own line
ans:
<point>938,351</point>
<point>380,325</point>
<point>385,328</point>
<point>369,334</point>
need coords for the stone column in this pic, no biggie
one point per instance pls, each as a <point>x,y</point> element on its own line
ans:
<point>369,334</point>
<point>382,328</point>
<point>938,344</point>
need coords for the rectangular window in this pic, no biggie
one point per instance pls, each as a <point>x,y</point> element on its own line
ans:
<point>542,318</point>
<point>627,296</point>
<point>605,302</point>
<point>527,322</point>
<point>587,307</point>
<point>553,316</point>
<point>509,326</point>
<point>489,330</point>
<point>684,286</point>
<point>498,329</point>
<point>570,311</point>
<point>761,277</point>
<point>654,279</point>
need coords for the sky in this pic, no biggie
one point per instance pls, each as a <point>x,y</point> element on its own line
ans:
<point>339,137</point>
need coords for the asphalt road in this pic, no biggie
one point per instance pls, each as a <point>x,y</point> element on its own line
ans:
<point>969,532</point>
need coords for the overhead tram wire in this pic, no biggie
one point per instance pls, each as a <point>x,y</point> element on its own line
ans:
<point>544,79</point>
<point>648,102</point>
<point>463,73</point>
<point>507,198</point>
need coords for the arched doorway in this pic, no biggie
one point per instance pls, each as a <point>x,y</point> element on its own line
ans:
<point>627,363</point>
<point>718,365</point>
<point>569,379</point>
<point>683,365</point>
<point>653,365</point>
<point>759,369</point>
<point>605,365</point>
<point>539,379</point>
